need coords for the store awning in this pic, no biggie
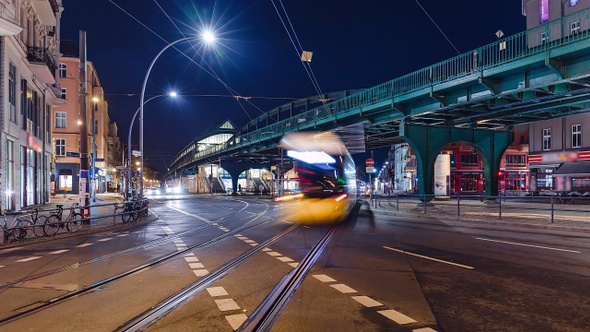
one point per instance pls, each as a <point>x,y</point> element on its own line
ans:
<point>573,168</point>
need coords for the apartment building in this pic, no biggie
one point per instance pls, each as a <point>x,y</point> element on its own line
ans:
<point>66,130</point>
<point>29,48</point>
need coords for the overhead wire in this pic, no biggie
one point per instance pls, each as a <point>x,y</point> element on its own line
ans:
<point>439,29</point>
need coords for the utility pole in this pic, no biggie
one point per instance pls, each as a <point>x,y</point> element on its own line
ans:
<point>83,96</point>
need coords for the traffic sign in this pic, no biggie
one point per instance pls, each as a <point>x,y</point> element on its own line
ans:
<point>370,162</point>
<point>136,153</point>
<point>370,169</point>
<point>72,154</point>
<point>120,167</point>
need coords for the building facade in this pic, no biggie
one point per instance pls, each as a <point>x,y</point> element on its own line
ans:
<point>65,126</point>
<point>29,46</point>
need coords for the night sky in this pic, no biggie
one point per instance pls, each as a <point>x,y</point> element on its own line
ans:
<point>355,44</point>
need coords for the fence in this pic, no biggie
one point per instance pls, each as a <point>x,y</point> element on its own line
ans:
<point>551,208</point>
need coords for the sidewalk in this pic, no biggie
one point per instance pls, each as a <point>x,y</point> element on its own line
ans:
<point>566,218</point>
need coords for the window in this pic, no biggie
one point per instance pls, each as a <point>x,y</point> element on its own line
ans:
<point>546,139</point>
<point>60,147</point>
<point>12,91</point>
<point>573,2</point>
<point>64,93</point>
<point>60,119</point>
<point>515,160</point>
<point>10,174</point>
<point>469,159</point>
<point>543,37</point>
<point>577,136</point>
<point>63,70</point>
<point>544,10</point>
<point>575,27</point>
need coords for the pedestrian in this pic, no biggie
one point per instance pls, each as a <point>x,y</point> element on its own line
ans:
<point>239,188</point>
<point>261,188</point>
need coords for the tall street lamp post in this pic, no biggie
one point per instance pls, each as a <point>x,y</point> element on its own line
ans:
<point>128,179</point>
<point>208,37</point>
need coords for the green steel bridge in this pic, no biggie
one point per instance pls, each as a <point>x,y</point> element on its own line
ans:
<point>475,97</point>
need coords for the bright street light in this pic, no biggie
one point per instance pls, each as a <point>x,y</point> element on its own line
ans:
<point>208,38</point>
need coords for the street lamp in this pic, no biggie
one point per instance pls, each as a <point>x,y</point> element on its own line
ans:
<point>172,94</point>
<point>208,37</point>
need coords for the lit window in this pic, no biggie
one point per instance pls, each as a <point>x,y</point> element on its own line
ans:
<point>63,69</point>
<point>543,37</point>
<point>546,139</point>
<point>577,136</point>
<point>573,2</point>
<point>60,147</point>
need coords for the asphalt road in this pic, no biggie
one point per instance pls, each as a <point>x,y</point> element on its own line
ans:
<point>378,273</point>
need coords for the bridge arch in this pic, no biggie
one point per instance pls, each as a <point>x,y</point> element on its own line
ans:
<point>428,141</point>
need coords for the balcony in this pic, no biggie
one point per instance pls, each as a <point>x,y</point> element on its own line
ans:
<point>8,23</point>
<point>42,64</point>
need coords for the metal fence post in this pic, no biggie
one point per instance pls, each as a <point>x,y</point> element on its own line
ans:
<point>552,210</point>
<point>115,215</point>
<point>424,202</point>
<point>500,206</point>
<point>397,201</point>
<point>458,205</point>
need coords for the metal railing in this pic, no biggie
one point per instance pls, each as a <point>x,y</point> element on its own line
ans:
<point>557,208</point>
<point>530,43</point>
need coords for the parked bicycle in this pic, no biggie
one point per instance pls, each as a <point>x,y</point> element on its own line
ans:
<point>133,210</point>
<point>19,229</point>
<point>55,221</point>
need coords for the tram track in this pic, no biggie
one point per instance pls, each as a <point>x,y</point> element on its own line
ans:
<point>144,246</point>
<point>39,306</point>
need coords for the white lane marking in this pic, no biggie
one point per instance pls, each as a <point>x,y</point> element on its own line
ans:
<point>527,245</point>
<point>84,245</point>
<point>191,259</point>
<point>285,259</point>
<point>274,253</point>
<point>1,266</point>
<point>217,291</point>
<point>32,258</point>
<point>105,239</point>
<point>366,301</point>
<point>266,249</point>
<point>430,258</point>
<point>342,288</point>
<point>57,252</point>
<point>323,278</point>
<point>227,304</point>
<point>190,214</point>
<point>424,329</point>
<point>121,235</point>
<point>177,241</point>
<point>10,249</point>
<point>236,320</point>
<point>201,272</point>
<point>397,317</point>
<point>249,241</point>
<point>196,265</point>
<point>242,238</point>
<point>293,264</point>
<point>254,244</point>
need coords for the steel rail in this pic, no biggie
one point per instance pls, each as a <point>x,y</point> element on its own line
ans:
<point>145,267</point>
<point>151,316</point>
<point>266,314</point>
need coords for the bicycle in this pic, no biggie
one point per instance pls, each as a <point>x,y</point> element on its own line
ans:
<point>37,222</point>
<point>129,212</point>
<point>19,228</point>
<point>55,222</point>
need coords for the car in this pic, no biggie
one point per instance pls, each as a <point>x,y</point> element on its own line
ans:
<point>172,189</point>
<point>153,191</point>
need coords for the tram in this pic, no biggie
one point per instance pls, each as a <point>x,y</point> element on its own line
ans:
<point>325,178</point>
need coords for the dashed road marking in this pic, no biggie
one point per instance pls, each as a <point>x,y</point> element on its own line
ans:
<point>28,259</point>
<point>397,317</point>
<point>122,235</point>
<point>430,258</point>
<point>285,259</point>
<point>191,259</point>
<point>196,265</point>
<point>323,278</point>
<point>266,249</point>
<point>274,253</point>
<point>424,329</point>
<point>84,245</point>
<point>227,304</point>
<point>201,272</point>
<point>57,252</point>
<point>217,291</point>
<point>366,301</point>
<point>1,266</point>
<point>527,245</point>
<point>236,320</point>
<point>105,239</point>
<point>342,288</point>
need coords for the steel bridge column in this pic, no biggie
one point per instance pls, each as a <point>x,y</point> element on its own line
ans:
<point>428,141</point>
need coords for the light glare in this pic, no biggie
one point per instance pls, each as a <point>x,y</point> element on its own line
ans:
<point>311,157</point>
<point>208,37</point>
